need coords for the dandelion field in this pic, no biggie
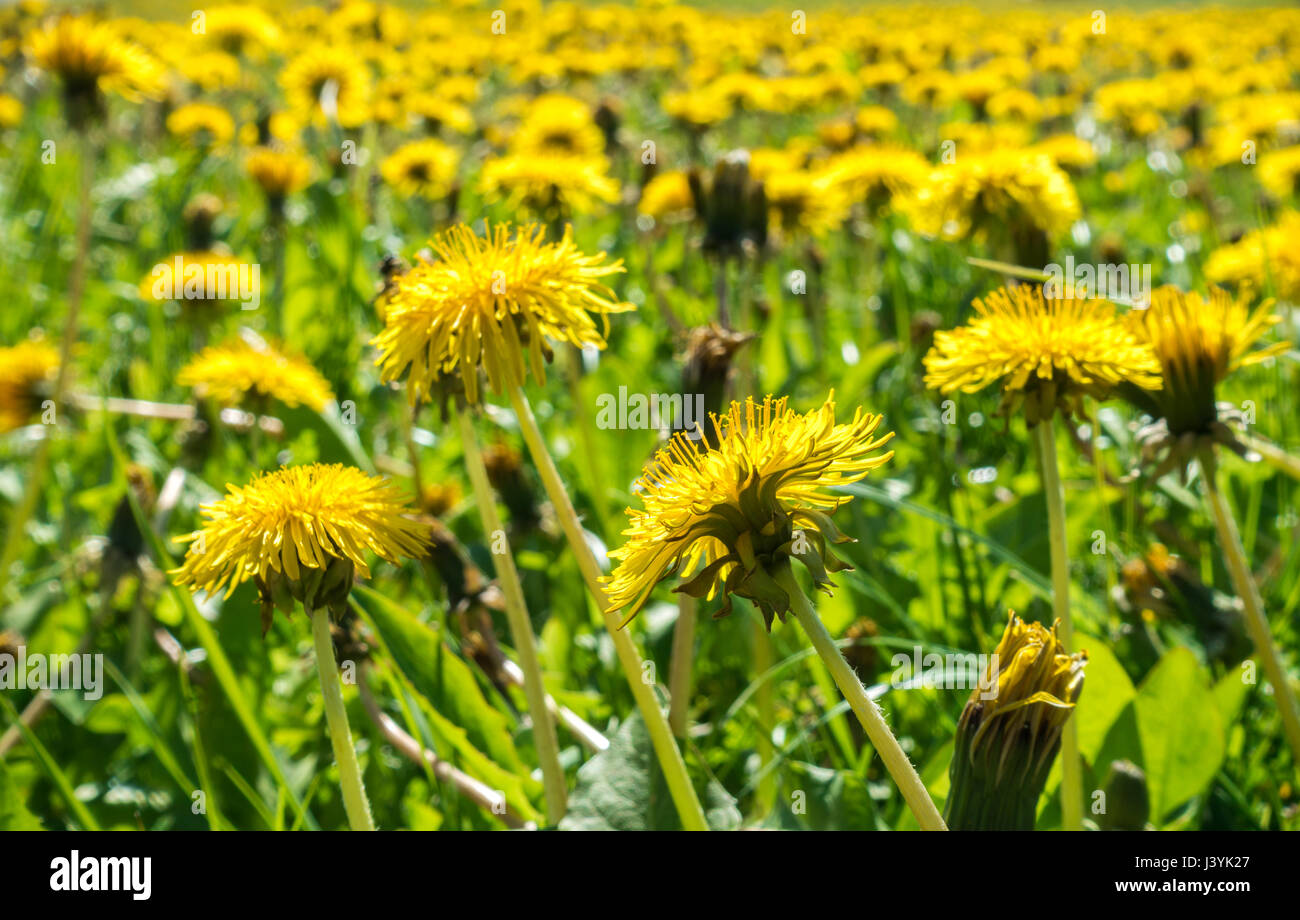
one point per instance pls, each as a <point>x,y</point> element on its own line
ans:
<point>344,348</point>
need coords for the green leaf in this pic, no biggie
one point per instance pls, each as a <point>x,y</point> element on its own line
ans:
<point>1181,731</point>
<point>442,678</point>
<point>14,815</point>
<point>622,789</point>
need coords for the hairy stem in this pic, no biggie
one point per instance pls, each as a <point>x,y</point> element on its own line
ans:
<point>354,792</point>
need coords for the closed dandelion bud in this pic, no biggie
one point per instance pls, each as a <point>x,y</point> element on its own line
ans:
<point>505,470</point>
<point>732,207</point>
<point>1010,730</point>
<point>709,351</point>
<point>1127,803</point>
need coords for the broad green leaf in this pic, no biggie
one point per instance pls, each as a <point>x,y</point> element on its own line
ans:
<point>1181,730</point>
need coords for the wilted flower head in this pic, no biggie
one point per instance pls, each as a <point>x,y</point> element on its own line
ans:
<point>485,303</point>
<point>1010,730</point>
<point>1198,342</point>
<point>238,372</point>
<point>300,533</point>
<point>733,516</point>
<point>1045,352</point>
<point>24,370</point>
<point>731,205</point>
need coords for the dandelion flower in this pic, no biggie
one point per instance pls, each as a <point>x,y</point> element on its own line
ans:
<point>1046,352</point>
<point>733,516</point>
<point>1198,342</point>
<point>279,172</point>
<point>201,124</point>
<point>802,202</point>
<point>1261,257</point>
<point>424,168</point>
<point>92,58</point>
<point>667,197</point>
<point>300,533</point>
<point>485,302</point>
<point>549,185</point>
<point>558,125</point>
<point>329,82</point>
<point>1010,730</point>
<point>236,373</point>
<point>24,370</point>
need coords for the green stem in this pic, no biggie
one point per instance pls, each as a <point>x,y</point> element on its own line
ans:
<point>354,792</point>
<point>767,786</point>
<point>16,535</point>
<point>1275,456</point>
<point>1252,604</point>
<point>683,661</point>
<point>521,629</point>
<point>670,758</point>
<point>1071,767</point>
<point>868,713</point>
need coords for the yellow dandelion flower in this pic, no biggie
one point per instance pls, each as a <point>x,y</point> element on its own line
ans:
<point>300,533</point>
<point>667,197</point>
<point>549,185</point>
<point>486,301</point>
<point>201,124</point>
<point>1199,340</point>
<point>1045,352</point>
<point>11,111</point>
<point>735,514</point>
<point>875,121</point>
<point>803,202</point>
<point>424,168</point>
<point>202,278</point>
<point>237,372</point>
<point>875,174</point>
<point>1260,258</point>
<point>1279,171</point>
<point>92,57</point>
<point>278,171</point>
<point>438,111</point>
<point>24,370</point>
<point>558,125</point>
<point>1014,188</point>
<point>330,83</point>
<point>697,110</point>
<point>242,30</point>
<point>1010,730</point>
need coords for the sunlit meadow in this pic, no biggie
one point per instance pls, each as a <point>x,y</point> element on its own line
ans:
<point>649,416</point>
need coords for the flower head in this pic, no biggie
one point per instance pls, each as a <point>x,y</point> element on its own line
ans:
<point>279,172</point>
<point>1010,730</point>
<point>549,184</point>
<point>733,515</point>
<point>1198,341</point>
<point>92,58</point>
<point>485,302</point>
<point>424,168</point>
<point>300,533</point>
<point>328,82</point>
<point>801,202</point>
<point>24,370</point>
<point>1046,352</point>
<point>201,124</point>
<point>237,372</point>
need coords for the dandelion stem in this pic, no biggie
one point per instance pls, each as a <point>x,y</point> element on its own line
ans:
<point>670,758</point>
<point>1253,605</point>
<point>682,664</point>
<point>354,792</point>
<point>868,713</point>
<point>521,629</point>
<point>1071,768</point>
